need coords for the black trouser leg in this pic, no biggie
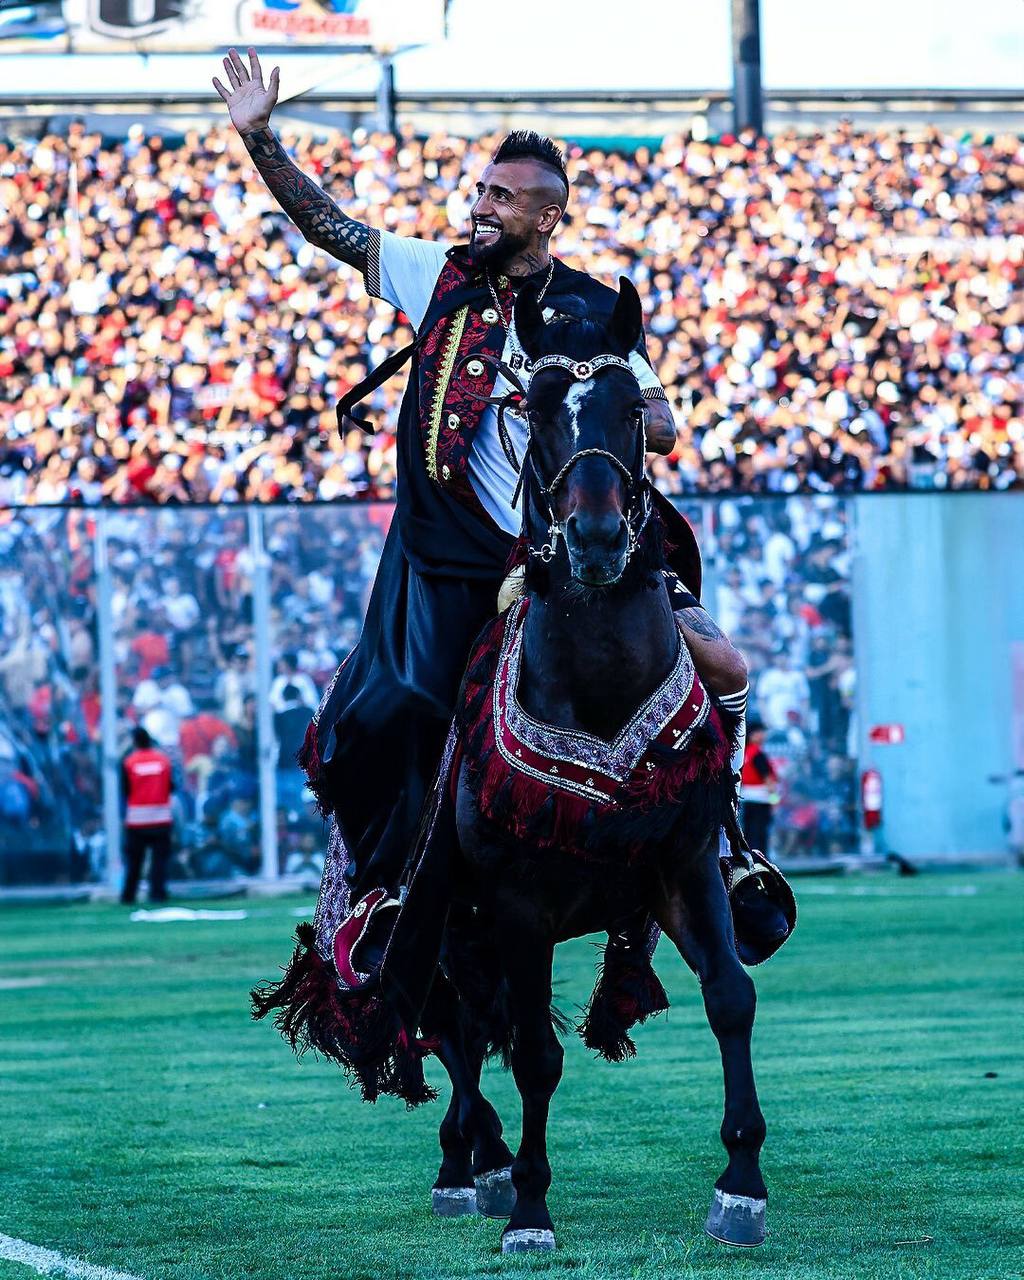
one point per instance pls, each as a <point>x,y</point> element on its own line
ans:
<point>389,734</point>
<point>160,853</point>
<point>134,853</point>
<point>757,824</point>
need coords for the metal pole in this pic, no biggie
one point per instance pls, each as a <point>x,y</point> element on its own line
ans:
<point>266,743</point>
<point>111,762</point>
<point>387,108</point>
<point>747,103</point>
<point>709,563</point>
<point>868,841</point>
<point>74,220</point>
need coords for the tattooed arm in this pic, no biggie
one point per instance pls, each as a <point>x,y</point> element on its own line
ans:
<point>660,426</point>
<point>310,208</point>
<point>250,103</point>
<point>719,665</point>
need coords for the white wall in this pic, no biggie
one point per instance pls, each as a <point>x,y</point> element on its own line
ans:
<point>938,601</point>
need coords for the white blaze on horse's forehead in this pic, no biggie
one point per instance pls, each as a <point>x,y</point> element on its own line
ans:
<point>574,403</point>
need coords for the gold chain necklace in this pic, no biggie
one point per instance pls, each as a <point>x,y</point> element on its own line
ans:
<point>497,301</point>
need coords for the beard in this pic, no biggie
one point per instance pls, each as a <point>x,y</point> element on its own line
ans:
<point>497,252</point>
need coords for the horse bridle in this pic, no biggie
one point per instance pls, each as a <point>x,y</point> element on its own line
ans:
<point>638,494</point>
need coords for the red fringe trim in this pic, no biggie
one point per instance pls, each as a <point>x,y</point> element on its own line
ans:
<point>353,1027</point>
<point>308,755</point>
<point>627,992</point>
<point>308,760</point>
<point>530,810</point>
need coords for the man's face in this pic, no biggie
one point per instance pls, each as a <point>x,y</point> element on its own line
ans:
<point>517,203</point>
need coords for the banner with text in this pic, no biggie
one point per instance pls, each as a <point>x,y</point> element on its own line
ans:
<point>176,26</point>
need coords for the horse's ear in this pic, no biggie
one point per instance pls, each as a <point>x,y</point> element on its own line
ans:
<point>628,317</point>
<point>529,321</point>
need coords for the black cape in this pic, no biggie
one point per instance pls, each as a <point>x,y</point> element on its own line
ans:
<point>380,733</point>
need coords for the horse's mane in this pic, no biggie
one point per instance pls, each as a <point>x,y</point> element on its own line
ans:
<point>575,335</point>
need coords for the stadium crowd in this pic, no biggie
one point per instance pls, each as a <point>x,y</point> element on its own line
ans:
<point>780,572</point>
<point>182,616</point>
<point>181,604</point>
<point>828,312</point>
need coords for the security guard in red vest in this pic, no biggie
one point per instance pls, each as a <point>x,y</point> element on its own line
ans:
<point>147,818</point>
<point>760,784</point>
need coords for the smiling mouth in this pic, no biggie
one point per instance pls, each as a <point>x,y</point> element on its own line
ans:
<point>486,232</point>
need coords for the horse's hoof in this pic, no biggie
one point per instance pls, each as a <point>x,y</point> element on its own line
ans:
<point>527,1240</point>
<point>737,1220</point>
<point>495,1194</point>
<point>453,1202</point>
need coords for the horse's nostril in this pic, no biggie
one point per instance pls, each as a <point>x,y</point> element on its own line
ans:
<point>607,533</point>
<point>572,536</point>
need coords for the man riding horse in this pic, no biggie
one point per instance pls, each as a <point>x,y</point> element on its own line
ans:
<point>373,748</point>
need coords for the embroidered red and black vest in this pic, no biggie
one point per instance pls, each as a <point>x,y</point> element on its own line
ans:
<point>449,415</point>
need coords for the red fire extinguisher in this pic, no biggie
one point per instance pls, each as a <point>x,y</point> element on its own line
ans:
<point>871,799</point>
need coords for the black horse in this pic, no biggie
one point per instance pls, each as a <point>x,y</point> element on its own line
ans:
<point>583,654</point>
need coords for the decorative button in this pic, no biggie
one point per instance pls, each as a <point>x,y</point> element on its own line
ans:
<point>454,422</point>
<point>502,282</point>
<point>489,315</point>
<point>360,907</point>
<point>475,368</point>
<point>446,471</point>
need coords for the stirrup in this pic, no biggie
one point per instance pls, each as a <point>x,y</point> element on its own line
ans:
<point>740,865</point>
<point>351,932</point>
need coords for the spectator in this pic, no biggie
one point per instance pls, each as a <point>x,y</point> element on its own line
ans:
<point>829,312</point>
<point>163,703</point>
<point>291,683</point>
<point>147,818</point>
<point>782,692</point>
<point>759,788</point>
<point>290,722</point>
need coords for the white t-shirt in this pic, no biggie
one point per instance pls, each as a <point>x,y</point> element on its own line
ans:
<point>778,693</point>
<point>182,611</point>
<point>408,272</point>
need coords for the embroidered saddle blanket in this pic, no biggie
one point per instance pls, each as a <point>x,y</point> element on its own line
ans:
<point>665,777</point>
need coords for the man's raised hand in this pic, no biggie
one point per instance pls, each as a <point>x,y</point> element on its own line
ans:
<point>250,102</point>
<point>309,207</point>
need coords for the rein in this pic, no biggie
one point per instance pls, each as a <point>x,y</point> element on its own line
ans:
<point>638,500</point>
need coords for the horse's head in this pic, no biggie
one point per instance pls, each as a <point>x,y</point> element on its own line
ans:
<point>586,436</point>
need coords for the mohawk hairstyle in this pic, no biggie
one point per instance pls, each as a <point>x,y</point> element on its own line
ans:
<point>527,144</point>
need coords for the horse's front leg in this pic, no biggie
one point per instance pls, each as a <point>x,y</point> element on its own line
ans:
<point>537,1069</point>
<point>694,913</point>
<point>475,1173</point>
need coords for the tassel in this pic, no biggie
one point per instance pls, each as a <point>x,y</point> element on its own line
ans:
<point>627,993</point>
<point>308,755</point>
<point>353,1027</point>
<point>308,759</point>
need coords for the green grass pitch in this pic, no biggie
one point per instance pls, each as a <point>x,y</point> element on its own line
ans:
<point>146,1125</point>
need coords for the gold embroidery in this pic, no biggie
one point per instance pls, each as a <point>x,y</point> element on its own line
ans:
<point>444,376</point>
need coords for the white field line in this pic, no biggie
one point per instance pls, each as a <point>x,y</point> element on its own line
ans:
<point>174,915</point>
<point>812,889</point>
<point>47,1262</point>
